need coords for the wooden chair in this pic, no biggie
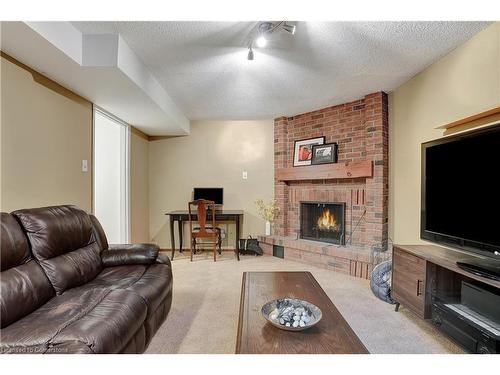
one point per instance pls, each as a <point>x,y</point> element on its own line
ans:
<point>204,231</point>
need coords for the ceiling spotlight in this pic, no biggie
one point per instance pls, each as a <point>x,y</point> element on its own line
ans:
<point>263,31</point>
<point>288,28</point>
<point>261,41</point>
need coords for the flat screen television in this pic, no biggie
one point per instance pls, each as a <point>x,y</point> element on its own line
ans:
<point>460,203</point>
<point>210,194</point>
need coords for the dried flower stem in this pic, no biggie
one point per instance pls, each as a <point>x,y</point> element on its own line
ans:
<point>269,211</point>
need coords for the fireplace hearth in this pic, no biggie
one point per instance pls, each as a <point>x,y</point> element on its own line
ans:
<point>323,221</point>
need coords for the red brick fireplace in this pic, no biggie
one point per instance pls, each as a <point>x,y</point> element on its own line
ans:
<point>361,130</point>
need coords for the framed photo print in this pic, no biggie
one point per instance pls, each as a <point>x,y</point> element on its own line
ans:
<point>324,154</point>
<point>303,150</point>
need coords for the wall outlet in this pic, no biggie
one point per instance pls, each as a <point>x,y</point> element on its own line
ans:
<point>245,175</point>
<point>85,167</point>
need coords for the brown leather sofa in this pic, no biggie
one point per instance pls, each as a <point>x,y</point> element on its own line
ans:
<point>64,290</point>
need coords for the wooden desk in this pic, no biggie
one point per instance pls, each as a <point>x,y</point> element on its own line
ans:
<point>256,336</point>
<point>181,216</point>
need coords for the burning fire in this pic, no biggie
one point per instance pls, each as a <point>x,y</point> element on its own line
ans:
<point>327,221</point>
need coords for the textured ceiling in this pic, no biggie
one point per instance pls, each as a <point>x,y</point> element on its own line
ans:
<point>203,65</point>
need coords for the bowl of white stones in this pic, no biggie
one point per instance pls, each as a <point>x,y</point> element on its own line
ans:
<point>291,314</point>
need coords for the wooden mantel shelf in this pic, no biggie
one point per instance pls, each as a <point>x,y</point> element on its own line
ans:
<point>355,169</point>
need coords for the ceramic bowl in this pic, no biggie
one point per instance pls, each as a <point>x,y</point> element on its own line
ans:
<point>314,312</point>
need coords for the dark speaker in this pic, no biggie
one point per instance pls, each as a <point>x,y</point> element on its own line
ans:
<point>481,301</point>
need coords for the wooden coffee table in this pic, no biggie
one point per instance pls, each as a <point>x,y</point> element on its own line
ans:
<point>255,335</point>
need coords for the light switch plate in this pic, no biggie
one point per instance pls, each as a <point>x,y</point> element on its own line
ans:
<point>245,175</point>
<point>85,167</point>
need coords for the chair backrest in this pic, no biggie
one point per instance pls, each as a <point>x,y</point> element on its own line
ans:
<point>201,213</point>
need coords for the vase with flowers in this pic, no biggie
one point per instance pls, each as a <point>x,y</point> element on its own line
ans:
<point>269,212</point>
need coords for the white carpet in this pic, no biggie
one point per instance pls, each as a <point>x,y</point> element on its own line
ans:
<point>204,314</point>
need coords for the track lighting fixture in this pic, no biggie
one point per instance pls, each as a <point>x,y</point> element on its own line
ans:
<point>288,28</point>
<point>264,29</point>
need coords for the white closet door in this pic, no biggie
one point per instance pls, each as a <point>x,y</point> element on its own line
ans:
<point>111,156</point>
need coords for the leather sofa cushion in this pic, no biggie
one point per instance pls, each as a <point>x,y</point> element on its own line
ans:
<point>152,283</point>
<point>103,320</point>
<point>109,326</point>
<point>154,286</point>
<point>63,241</point>
<point>23,285</point>
<point>13,243</point>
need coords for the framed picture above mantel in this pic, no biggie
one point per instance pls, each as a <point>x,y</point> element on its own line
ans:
<point>324,154</point>
<point>303,150</point>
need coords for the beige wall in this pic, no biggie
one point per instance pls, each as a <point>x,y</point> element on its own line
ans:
<point>46,133</point>
<point>139,188</point>
<point>464,82</point>
<point>214,155</point>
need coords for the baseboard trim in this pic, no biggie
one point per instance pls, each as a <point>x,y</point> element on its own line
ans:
<point>187,250</point>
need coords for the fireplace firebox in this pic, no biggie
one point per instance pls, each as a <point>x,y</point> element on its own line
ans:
<point>323,221</point>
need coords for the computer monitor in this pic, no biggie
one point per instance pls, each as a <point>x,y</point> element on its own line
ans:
<point>211,194</point>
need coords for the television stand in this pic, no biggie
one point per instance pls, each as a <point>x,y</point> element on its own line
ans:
<point>427,280</point>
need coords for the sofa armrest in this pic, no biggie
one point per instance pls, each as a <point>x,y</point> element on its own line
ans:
<point>118,255</point>
<point>163,259</point>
